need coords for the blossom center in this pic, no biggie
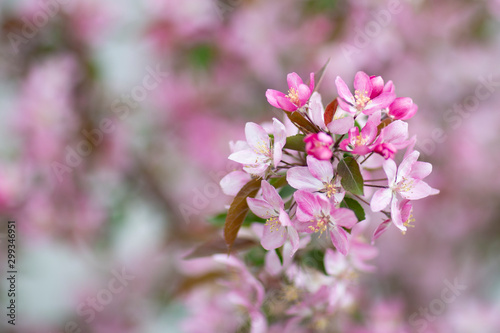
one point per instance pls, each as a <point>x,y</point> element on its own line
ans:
<point>405,185</point>
<point>263,149</point>
<point>273,223</point>
<point>360,140</point>
<point>321,225</point>
<point>293,96</point>
<point>362,99</point>
<point>330,190</point>
<point>409,221</point>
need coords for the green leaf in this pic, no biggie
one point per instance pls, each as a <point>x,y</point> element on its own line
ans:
<point>255,257</point>
<point>296,142</point>
<point>314,259</point>
<point>355,206</point>
<point>238,211</point>
<point>278,182</point>
<point>218,220</point>
<point>352,180</point>
<point>287,191</point>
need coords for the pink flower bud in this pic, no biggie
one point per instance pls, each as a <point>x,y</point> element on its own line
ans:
<point>402,108</point>
<point>319,145</point>
<point>387,150</point>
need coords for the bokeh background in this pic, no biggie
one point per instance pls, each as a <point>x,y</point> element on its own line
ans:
<point>116,118</point>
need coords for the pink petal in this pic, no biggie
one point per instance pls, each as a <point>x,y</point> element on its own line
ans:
<point>363,84</point>
<point>418,190</point>
<point>324,204</point>
<point>346,106</point>
<point>341,125</point>
<point>395,133</point>
<point>322,170</point>
<point>344,91</point>
<point>390,170</point>
<point>259,169</point>
<point>286,105</point>
<point>272,263</point>
<point>369,132</point>
<point>377,85</point>
<point>396,214</point>
<point>272,239</point>
<point>294,80</point>
<point>420,170</point>
<point>400,107</point>
<point>272,97</point>
<point>311,81</point>
<point>344,217</point>
<point>304,94</point>
<point>270,194</point>
<point>294,239</point>
<point>279,140</point>
<point>389,87</point>
<point>245,157</point>
<point>317,111</point>
<point>381,199</point>
<point>284,218</point>
<point>232,183</point>
<point>406,165</point>
<point>307,204</point>
<point>381,229</point>
<point>261,208</point>
<point>340,239</point>
<point>257,136</point>
<point>302,179</point>
<point>381,101</point>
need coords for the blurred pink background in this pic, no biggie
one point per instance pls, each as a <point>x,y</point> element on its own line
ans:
<point>116,118</point>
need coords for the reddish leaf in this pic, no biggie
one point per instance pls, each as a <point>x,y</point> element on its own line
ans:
<point>302,123</point>
<point>330,111</point>
<point>217,245</point>
<point>238,211</point>
<point>383,124</point>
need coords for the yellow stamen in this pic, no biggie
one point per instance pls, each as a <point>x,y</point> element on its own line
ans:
<point>273,223</point>
<point>293,96</point>
<point>362,99</point>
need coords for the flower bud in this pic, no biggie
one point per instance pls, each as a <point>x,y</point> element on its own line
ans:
<point>319,145</point>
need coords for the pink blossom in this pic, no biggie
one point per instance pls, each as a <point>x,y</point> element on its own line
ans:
<point>298,93</point>
<point>260,153</point>
<point>278,223</point>
<point>317,214</point>
<point>362,101</point>
<point>318,176</point>
<point>360,143</point>
<point>232,183</point>
<point>319,145</point>
<point>378,86</point>
<point>405,181</point>
<point>392,137</point>
<point>402,108</point>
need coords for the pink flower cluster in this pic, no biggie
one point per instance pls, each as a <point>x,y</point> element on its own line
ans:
<point>318,171</point>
